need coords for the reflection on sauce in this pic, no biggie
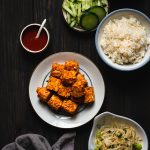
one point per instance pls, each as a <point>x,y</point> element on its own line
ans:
<point>32,43</point>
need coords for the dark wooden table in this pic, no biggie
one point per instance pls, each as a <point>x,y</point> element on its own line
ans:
<point>127,93</point>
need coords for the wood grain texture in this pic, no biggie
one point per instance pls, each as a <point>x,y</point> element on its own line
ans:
<point>127,93</point>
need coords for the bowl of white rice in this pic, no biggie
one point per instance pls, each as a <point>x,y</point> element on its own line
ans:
<point>123,39</point>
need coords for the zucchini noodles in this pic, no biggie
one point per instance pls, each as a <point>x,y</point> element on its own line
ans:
<point>117,137</point>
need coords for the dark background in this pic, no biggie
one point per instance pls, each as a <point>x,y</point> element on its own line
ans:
<point>127,93</point>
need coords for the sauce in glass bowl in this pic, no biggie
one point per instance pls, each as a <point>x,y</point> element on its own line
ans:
<point>32,44</point>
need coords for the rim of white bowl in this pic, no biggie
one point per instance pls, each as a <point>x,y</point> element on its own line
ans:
<point>105,58</point>
<point>38,51</point>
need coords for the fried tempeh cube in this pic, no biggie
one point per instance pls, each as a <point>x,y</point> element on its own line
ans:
<point>78,89</point>
<point>81,79</point>
<point>72,65</point>
<point>64,91</point>
<point>53,84</point>
<point>43,94</point>
<point>89,95</point>
<point>55,102</point>
<point>77,92</point>
<point>69,106</point>
<point>68,77</point>
<point>57,70</point>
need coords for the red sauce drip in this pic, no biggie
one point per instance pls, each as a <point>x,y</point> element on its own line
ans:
<point>32,43</point>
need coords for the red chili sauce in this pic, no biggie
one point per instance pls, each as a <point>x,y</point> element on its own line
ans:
<point>32,43</point>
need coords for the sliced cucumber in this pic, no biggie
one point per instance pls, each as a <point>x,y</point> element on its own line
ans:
<point>72,24</point>
<point>99,11</point>
<point>89,21</point>
<point>77,13</point>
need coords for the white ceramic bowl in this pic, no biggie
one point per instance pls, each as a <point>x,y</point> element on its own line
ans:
<point>107,118</point>
<point>29,50</point>
<point>145,21</point>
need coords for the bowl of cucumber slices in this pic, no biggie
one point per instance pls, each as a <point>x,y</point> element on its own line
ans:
<point>84,15</point>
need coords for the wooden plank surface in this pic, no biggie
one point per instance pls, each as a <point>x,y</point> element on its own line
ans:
<point>127,93</point>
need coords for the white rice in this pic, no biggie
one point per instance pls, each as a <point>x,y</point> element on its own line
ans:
<point>124,40</point>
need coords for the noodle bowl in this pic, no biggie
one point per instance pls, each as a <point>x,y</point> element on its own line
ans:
<point>118,137</point>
